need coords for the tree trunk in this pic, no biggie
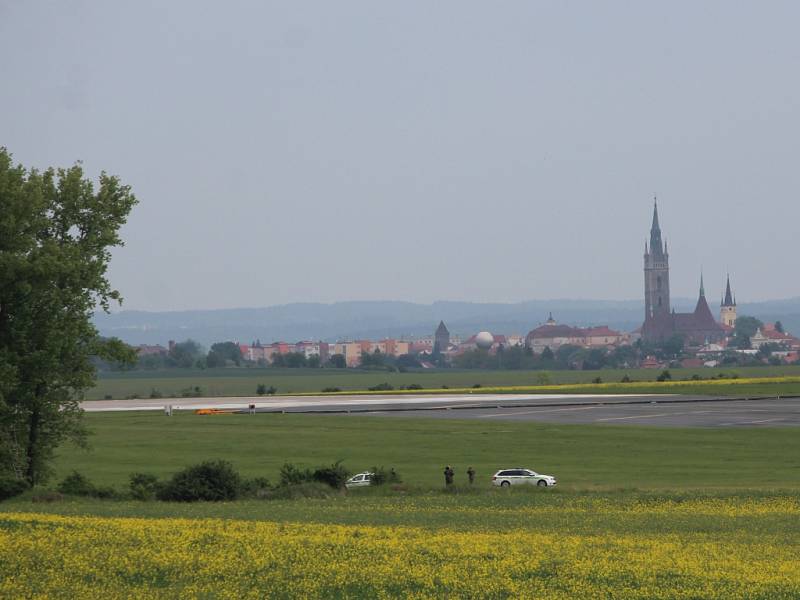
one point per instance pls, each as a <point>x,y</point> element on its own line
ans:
<point>32,448</point>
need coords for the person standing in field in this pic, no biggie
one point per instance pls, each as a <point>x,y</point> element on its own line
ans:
<point>448,476</point>
<point>471,475</point>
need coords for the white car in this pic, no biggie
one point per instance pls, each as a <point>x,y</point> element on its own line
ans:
<point>519,476</point>
<point>359,480</point>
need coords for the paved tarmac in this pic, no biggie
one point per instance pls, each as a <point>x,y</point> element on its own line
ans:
<point>661,410</point>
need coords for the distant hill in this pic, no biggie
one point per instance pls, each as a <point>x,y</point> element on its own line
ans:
<point>377,319</point>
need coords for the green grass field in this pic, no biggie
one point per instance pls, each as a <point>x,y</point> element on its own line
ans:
<point>583,457</point>
<point>243,382</point>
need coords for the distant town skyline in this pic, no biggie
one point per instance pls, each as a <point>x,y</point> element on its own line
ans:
<point>318,152</point>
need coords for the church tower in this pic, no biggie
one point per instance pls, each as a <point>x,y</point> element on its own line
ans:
<point>656,273</point>
<point>727,310</point>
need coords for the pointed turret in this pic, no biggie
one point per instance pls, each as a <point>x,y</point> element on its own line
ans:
<point>656,247</point>
<point>702,287</point>
<point>729,301</point>
<point>727,311</point>
<point>441,338</point>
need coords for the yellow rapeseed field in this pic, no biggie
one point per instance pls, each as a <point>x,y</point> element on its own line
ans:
<point>50,556</point>
<point>668,387</point>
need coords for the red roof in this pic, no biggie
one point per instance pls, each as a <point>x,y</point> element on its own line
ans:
<point>603,330</point>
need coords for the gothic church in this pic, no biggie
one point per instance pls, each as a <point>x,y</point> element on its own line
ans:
<point>662,322</point>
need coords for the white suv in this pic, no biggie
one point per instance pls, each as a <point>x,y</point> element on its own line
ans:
<point>518,476</point>
<point>359,480</point>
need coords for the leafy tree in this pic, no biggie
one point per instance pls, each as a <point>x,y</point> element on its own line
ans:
<point>744,329</point>
<point>57,230</point>
<point>408,361</point>
<point>547,354</point>
<point>779,327</point>
<point>376,360</point>
<point>223,352</point>
<point>672,347</point>
<point>184,355</point>
<point>337,361</point>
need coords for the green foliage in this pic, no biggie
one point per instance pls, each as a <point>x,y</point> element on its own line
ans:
<point>333,475</point>
<point>56,234</point>
<point>381,476</point>
<point>255,486</point>
<point>143,486</point>
<point>292,475</point>
<point>337,361</point>
<point>290,360</point>
<point>223,353</point>
<point>381,387</point>
<point>331,390</point>
<point>11,486</point>
<point>185,355</point>
<point>779,327</point>
<point>664,376</point>
<point>211,481</point>
<point>76,484</point>
<point>408,361</point>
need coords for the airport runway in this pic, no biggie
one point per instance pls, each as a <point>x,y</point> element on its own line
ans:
<point>661,410</point>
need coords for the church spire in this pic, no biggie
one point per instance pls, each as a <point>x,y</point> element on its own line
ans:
<point>702,287</point>
<point>728,296</point>
<point>656,247</point>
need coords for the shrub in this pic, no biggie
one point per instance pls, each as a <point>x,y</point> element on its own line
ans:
<point>143,486</point>
<point>191,392</point>
<point>597,380</point>
<point>301,490</point>
<point>330,390</point>
<point>11,486</point>
<point>477,386</point>
<point>108,397</point>
<point>543,378</point>
<point>625,379</point>
<point>211,480</point>
<point>696,377</point>
<point>47,497</point>
<point>292,475</point>
<point>271,390</point>
<point>414,386</point>
<point>154,393</point>
<point>381,387</point>
<point>255,486</point>
<point>76,484</point>
<point>380,476</point>
<point>334,475</point>
<point>664,376</point>
<point>261,389</point>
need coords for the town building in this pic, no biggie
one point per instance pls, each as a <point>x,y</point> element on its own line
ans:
<point>768,334</point>
<point>552,335</point>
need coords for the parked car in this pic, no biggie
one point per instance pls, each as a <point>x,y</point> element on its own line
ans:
<point>519,476</point>
<point>359,480</point>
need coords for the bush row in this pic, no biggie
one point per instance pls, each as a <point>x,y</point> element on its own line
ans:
<point>211,481</point>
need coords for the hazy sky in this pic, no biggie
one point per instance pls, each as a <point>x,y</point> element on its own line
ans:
<point>487,151</point>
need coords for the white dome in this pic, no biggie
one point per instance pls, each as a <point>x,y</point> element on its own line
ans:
<point>484,340</point>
